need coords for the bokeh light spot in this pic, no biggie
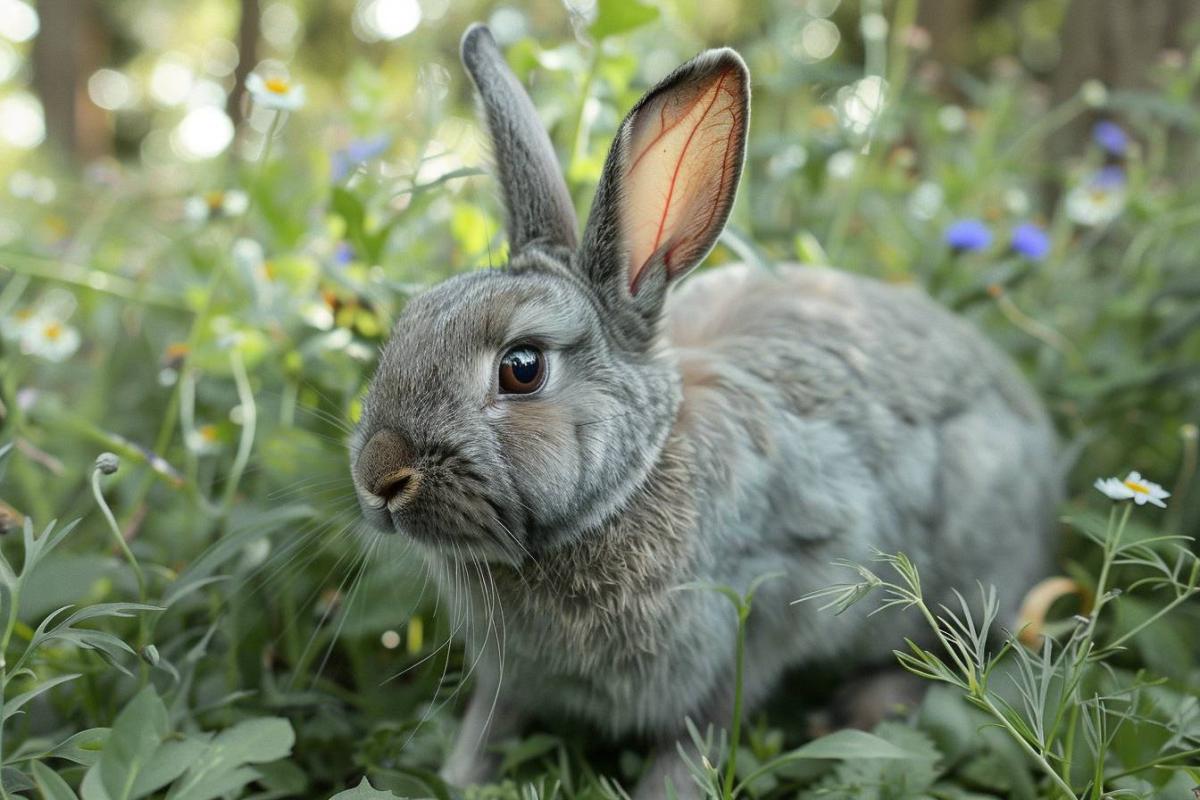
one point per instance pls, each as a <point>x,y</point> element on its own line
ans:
<point>24,126</point>
<point>171,80</point>
<point>110,89</point>
<point>818,39</point>
<point>203,133</point>
<point>386,20</point>
<point>18,21</point>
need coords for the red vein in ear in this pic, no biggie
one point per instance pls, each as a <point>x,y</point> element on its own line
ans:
<point>715,206</point>
<point>662,121</point>
<point>669,192</point>
<point>679,161</point>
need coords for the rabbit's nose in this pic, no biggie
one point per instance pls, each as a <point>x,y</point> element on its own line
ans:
<point>397,489</point>
<point>385,473</point>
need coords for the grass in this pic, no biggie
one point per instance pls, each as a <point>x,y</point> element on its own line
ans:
<point>210,624</point>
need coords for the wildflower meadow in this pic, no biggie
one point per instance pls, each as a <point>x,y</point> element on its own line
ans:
<point>198,271</point>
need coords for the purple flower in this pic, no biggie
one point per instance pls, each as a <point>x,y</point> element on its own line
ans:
<point>358,151</point>
<point>1111,138</point>
<point>968,235</point>
<point>1030,241</point>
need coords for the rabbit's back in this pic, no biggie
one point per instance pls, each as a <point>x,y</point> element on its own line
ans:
<point>832,415</point>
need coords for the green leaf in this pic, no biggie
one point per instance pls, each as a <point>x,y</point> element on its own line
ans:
<point>281,779</point>
<point>135,738</point>
<point>874,776</point>
<point>50,784</point>
<point>15,780</point>
<point>170,760</point>
<point>614,17</point>
<point>850,746</point>
<point>14,705</point>
<point>364,791</point>
<point>82,748</point>
<point>527,750</point>
<point>849,743</point>
<point>36,547</point>
<point>221,768</point>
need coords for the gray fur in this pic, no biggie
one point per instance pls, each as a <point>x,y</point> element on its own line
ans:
<point>749,422</point>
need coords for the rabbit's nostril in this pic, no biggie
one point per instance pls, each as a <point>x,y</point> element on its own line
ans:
<point>398,488</point>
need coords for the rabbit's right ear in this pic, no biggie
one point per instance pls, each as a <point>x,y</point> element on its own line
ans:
<point>535,194</point>
<point>669,183</point>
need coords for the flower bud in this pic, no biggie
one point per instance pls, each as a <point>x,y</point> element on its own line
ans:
<point>150,654</point>
<point>107,463</point>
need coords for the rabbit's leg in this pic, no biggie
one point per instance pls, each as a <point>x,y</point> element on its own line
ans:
<point>488,719</point>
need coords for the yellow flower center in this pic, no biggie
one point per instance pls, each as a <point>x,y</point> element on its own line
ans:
<point>208,433</point>
<point>277,85</point>
<point>52,331</point>
<point>214,200</point>
<point>1140,488</point>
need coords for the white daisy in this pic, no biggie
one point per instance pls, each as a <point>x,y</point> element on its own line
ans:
<point>203,440</point>
<point>49,338</point>
<point>1099,200</point>
<point>202,208</point>
<point>15,325</point>
<point>277,93</point>
<point>1135,488</point>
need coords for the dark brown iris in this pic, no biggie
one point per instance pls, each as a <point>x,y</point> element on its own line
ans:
<point>522,370</point>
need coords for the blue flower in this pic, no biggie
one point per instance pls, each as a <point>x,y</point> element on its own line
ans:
<point>358,151</point>
<point>343,254</point>
<point>1111,138</point>
<point>968,235</point>
<point>1110,178</point>
<point>1030,241</point>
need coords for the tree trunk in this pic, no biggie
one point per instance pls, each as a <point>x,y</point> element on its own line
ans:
<point>72,43</point>
<point>1117,41</point>
<point>247,44</point>
<point>55,70</point>
<point>949,24</point>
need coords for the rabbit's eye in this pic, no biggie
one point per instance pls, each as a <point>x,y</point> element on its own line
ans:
<point>522,370</point>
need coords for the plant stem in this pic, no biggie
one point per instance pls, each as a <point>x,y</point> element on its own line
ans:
<point>897,69</point>
<point>1162,612</point>
<point>201,319</point>
<point>736,727</point>
<point>120,539</point>
<point>14,599</point>
<point>1045,765</point>
<point>1156,762</point>
<point>25,265</point>
<point>249,420</point>
<point>1069,743</point>
<point>579,134</point>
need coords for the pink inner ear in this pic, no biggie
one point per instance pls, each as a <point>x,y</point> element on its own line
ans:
<point>681,169</point>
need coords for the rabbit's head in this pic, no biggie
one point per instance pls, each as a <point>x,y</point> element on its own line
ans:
<point>516,407</point>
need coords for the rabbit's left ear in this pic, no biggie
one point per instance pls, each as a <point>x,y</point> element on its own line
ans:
<point>670,179</point>
<point>535,194</point>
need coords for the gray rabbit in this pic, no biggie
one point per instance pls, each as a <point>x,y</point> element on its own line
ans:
<point>570,438</point>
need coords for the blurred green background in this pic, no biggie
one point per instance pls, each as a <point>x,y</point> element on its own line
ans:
<point>199,282</point>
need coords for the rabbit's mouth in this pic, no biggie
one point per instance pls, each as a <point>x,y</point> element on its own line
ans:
<point>456,523</point>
